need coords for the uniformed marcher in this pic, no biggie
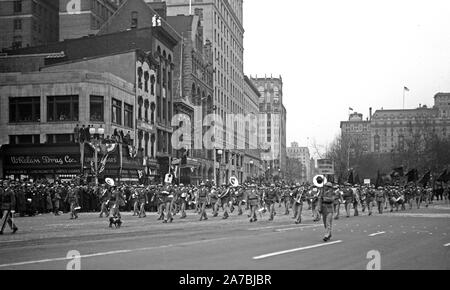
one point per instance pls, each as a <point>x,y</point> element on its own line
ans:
<point>253,201</point>
<point>117,200</point>
<point>104,195</point>
<point>299,198</point>
<point>8,205</point>
<point>370,199</point>
<point>270,198</point>
<point>380,197</point>
<point>203,200</point>
<point>72,199</point>
<point>348,198</point>
<point>327,198</point>
<point>143,201</point>
<point>337,201</point>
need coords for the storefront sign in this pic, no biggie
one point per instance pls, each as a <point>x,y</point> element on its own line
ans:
<point>42,160</point>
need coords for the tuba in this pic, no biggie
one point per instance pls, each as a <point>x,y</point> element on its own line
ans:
<point>319,181</point>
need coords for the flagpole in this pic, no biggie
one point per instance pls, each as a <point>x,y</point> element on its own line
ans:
<point>190,7</point>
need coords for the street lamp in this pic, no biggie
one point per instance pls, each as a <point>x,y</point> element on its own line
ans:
<point>218,152</point>
<point>98,136</point>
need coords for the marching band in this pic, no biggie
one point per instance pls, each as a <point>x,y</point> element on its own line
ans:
<point>170,200</point>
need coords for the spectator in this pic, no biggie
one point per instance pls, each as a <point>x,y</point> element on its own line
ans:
<point>82,134</point>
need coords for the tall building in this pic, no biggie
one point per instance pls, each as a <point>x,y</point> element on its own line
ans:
<point>193,95</point>
<point>302,155</point>
<point>356,132</point>
<point>84,17</point>
<point>272,123</point>
<point>28,23</point>
<point>223,26</point>
<point>252,161</point>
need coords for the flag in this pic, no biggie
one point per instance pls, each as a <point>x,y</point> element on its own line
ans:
<point>350,178</point>
<point>103,164</point>
<point>406,89</point>
<point>397,172</point>
<point>425,179</point>
<point>413,175</point>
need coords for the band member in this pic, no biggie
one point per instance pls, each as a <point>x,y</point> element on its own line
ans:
<point>56,200</point>
<point>253,201</point>
<point>356,200</point>
<point>104,195</point>
<point>8,205</point>
<point>72,198</point>
<point>363,198</point>
<point>224,199</point>
<point>239,198</point>
<point>271,197</point>
<point>214,201</point>
<point>314,199</point>
<point>348,198</point>
<point>370,198</point>
<point>380,198</point>
<point>133,199</point>
<point>142,198</point>
<point>184,199</point>
<point>299,198</point>
<point>168,194</point>
<point>203,200</point>
<point>327,199</point>
<point>117,200</point>
<point>337,202</point>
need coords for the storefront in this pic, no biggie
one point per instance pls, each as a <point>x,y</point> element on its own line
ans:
<point>63,162</point>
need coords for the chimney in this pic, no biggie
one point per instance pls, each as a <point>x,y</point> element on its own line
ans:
<point>370,114</point>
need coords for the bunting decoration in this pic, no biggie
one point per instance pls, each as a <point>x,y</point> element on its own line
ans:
<point>132,151</point>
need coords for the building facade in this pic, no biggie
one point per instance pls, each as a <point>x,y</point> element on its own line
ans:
<point>81,18</point>
<point>223,27</point>
<point>193,96</point>
<point>356,132</point>
<point>43,108</point>
<point>253,164</point>
<point>28,23</point>
<point>391,130</point>
<point>301,154</point>
<point>272,123</point>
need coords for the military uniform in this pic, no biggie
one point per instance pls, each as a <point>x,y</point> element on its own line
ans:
<point>348,199</point>
<point>270,198</point>
<point>253,201</point>
<point>142,200</point>
<point>116,201</point>
<point>72,199</point>
<point>184,199</point>
<point>314,199</point>
<point>224,200</point>
<point>8,205</point>
<point>327,199</point>
<point>299,199</point>
<point>380,198</point>
<point>370,198</point>
<point>202,201</point>
<point>337,202</point>
<point>104,196</point>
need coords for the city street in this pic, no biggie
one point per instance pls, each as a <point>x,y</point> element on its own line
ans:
<point>413,239</point>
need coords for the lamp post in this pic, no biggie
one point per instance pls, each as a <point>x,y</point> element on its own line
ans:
<point>217,178</point>
<point>98,136</point>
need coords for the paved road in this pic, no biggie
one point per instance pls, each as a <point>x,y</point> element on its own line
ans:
<point>414,239</point>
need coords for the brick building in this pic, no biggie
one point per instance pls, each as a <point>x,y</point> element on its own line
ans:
<point>28,23</point>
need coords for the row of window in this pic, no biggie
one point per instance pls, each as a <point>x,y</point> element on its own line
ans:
<point>35,139</point>
<point>66,108</point>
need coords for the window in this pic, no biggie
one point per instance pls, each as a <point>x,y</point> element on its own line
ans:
<point>24,139</point>
<point>60,138</point>
<point>96,109</point>
<point>128,115</point>
<point>18,6</point>
<point>62,108</point>
<point>17,24</point>
<point>116,115</point>
<point>134,19</point>
<point>17,42</point>
<point>26,109</point>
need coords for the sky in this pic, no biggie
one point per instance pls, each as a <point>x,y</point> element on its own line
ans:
<point>335,55</point>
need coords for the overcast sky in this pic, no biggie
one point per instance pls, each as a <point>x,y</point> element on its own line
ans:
<point>333,55</point>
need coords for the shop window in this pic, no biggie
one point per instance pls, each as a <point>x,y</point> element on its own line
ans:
<point>128,115</point>
<point>25,109</point>
<point>62,108</point>
<point>96,109</point>
<point>60,138</point>
<point>24,139</point>
<point>116,115</point>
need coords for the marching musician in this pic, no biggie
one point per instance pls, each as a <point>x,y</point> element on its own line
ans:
<point>115,202</point>
<point>104,195</point>
<point>337,201</point>
<point>327,198</point>
<point>380,198</point>
<point>270,198</point>
<point>203,200</point>
<point>8,205</point>
<point>72,198</point>
<point>348,198</point>
<point>299,198</point>
<point>253,200</point>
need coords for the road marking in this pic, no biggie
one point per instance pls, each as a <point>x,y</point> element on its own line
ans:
<point>296,228</point>
<point>447,245</point>
<point>280,226</point>
<point>377,234</point>
<point>109,253</point>
<point>295,250</point>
